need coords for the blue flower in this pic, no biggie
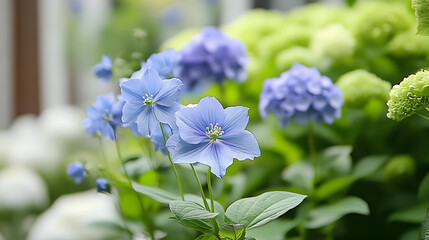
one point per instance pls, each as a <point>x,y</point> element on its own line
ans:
<point>103,185</point>
<point>212,135</point>
<point>104,116</point>
<point>150,100</point>
<point>76,171</point>
<point>158,139</point>
<point>166,63</point>
<point>103,69</point>
<point>302,93</point>
<point>212,56</point>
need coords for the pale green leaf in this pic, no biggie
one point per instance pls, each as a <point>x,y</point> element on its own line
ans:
<point>275,230</point>
<point>257,211</point>
<point>185,210</point>
<point>156,194</point>
<point>327,214</point>
<point>333,186</point>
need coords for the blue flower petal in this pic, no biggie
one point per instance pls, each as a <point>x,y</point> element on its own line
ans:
<point>243,145</point>
<point>211,111</point>
<point>131,111</point>
<point>146,122</point>
<point>218,157</point>
<point>131,90</point>
<point>185,152</point>
<point>165,114</point>
<point>236,119</point>
<point>169,92</point>
<point>151,83</point>
<point>191,128</point>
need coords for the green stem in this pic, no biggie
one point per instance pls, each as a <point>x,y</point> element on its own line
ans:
<point>423,116</point>
<point>203,196</point>
<point>172,164</point>
<point>313,153</point>
<point>209,173</point>
<point>145,217</point>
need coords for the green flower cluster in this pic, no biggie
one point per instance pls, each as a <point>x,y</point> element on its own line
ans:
<point>359,87</point>
<point>409,97</point>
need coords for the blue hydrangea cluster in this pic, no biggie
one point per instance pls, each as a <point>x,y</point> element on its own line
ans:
<point>103,69</point>
<point>303,94</point>
<point>212,56</point>
<point>104,116</point>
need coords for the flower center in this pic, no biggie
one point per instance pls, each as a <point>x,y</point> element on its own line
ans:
<point>107,116</point>
<point>148,100</point>
<point>214,132</point>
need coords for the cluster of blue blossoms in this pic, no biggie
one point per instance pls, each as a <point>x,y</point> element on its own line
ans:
<point>302,93</point>
<point>149,104</point>
<point>210,57</point>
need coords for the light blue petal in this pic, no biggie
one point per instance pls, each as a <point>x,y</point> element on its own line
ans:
<point>93,113</point>
<point>172,142</point>
<point>131,90</point>
<point>151,82</point>
<point>146,122</point>
<point>191,127</point>
<point>131,111</point>
<point>236,119</point>
<point>242,145</point>
<point>165,114</point>
<point>211,111</point>
<point>107,130</point>
<point>218,157</point>
<point>185,152</point>
<point>169,92</point>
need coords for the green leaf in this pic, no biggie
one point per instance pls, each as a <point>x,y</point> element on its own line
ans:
<point>207,237</point>
<point>414,214</point>
<point>156,194</point>
<point>132,158</point>
<point>325,215</point>
<point>218,207</point>
<point>422,14</point>
<point>232,231</point>
<point>333,186</point>
<point>424,232</point>
<point>273,231</point>
<point>185,210</point>
<point>423,193</point>
<point>368,165</point>
<point>336,161</point>
<point>300,174</point>
<point>191,214</point>
<point>256,211</point>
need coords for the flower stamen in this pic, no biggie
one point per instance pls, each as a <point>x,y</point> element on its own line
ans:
<point>214,131</point>
<point>148,100</point>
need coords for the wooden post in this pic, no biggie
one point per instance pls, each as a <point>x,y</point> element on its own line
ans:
<point>26,62</point>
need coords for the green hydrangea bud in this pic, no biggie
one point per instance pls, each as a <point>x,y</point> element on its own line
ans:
<point>334,41</point>
<point>409,96</point>
<point>286,58</point>
<point>359,87</point>
<point>378,22</point>
<point>409,44</point>
<point>399,166</point>
<point>290,36</point>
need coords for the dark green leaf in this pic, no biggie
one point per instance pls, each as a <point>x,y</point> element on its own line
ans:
<point>207,237</point>
<point>413,214</point>
<point>257,211</point>
<point>423,193</point>
<point>275,230</point>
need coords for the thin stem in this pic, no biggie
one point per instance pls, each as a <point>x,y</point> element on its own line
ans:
<point>203,196</point>
<point>423,116</point>
<point>209,173</point>
<point>172,164</point>
<point>145,217</point>
<point>313,152</point>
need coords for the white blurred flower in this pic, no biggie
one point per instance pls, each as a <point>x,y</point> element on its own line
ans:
<point>71,216</point>
<point>29,145</point>
<point>62,123</point>
<point>22,189</point>
<point>334,41</point>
